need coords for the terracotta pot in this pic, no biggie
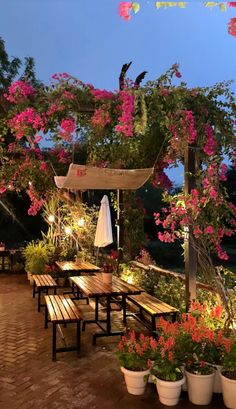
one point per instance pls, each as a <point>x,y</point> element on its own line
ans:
<point>229,391</point>
<point>200,388</point>
<point>169,391</point>
<point>135,380</point>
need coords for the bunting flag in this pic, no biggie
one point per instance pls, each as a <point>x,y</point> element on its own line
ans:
<point>126,7</point>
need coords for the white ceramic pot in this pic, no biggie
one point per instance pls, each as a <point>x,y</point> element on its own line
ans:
<point>229,392</point>
<point>2,248</point>
<point>135,380</point>
<point>200,388</point>
<point>169,392</point>
<point>107,278</point>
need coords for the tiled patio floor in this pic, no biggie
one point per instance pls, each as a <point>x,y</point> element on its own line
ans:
<point>29,378</point>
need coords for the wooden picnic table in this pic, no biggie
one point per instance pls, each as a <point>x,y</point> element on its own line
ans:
<point>77,266</point>
<point>94,287</point>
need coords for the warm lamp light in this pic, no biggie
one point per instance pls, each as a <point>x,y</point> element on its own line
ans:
<point>68,230</point>
<point>51,218</point>
<point>81,222</point>
<point>130,280</point>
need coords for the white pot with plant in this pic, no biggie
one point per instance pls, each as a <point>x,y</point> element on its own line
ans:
<point>228,377</point>
<point>107,272</point>
<point>166,367</point>
<point>2,246</point>
<point>133,352</point>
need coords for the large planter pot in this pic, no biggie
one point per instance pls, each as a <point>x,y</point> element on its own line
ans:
<point>135,380</point>
<point>169,392</point>
<point>229,392</point>
<point>30,277</point>
<point>107,278</point>
<point>200,388</point>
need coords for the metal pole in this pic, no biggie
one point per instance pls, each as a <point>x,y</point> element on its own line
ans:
<point>118,230</point>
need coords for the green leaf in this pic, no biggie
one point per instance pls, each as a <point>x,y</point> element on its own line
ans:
<point>135,7</point>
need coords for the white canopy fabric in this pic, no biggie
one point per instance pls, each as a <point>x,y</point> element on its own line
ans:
<point>81,177</point>
<point>103,235</point>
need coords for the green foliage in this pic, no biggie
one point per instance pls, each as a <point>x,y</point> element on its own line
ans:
<point>229,363</point>
<point>36,256</point>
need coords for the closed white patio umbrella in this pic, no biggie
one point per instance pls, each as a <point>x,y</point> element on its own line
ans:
<point>103,236</point>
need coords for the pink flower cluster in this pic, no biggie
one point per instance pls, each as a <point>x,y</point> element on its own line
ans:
<point>36,203</point>
<point>124,10</point>
<point>101,117</point>
<point>68,126</point>
<point>161,180</point>
<point>188,126</point>
<point>102,94</point>
<point>125,125</point>
<point>23,123</point>
<point>18,91</point>
<point>211,144</point>
<point>60,76</point>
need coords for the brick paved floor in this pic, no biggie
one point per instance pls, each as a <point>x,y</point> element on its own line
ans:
<point>29,378</point>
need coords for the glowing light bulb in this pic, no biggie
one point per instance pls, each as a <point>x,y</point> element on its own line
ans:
<point>68,230</point>
<point>130,280</point>
<point>51,218</point>
<point>81,222</point>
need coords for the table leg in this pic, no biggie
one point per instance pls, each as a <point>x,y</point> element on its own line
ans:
<point>54,340</point>
<point>46,317</point>
<point>124,308</point>
<point>39,299</point>
<point>78,337</point>
<point>34,287</point>
<point>108,315</point>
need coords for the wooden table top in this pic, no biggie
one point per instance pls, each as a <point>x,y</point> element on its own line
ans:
<point>93,286</point>
<point>79,266</point>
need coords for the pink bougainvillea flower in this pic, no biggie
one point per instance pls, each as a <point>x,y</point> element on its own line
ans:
<point>232,26</point>
<point>124,10</point>
<point>232,3</point>
<point>37,138</point>
<point>43,166</point>
<point>209,230</point>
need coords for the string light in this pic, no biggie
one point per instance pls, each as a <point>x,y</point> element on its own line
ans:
<point>81,222</point>
<point>68,230</point>
<point>51,218</point>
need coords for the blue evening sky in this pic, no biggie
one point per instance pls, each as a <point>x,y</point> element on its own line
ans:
<point>89,40</point>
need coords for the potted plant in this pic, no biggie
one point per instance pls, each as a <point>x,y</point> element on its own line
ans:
<point>192,340</point>
<point>36,258</point>
<point>228,377</point>
<point>2,246</point>
<point>166,366</point>
<point>133,353</point>
<point>107,272</point>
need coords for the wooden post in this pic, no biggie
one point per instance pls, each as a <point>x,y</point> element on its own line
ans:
<point>189,252</point>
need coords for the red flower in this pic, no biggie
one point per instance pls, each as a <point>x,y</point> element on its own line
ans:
<point>232,26</point>
<point>124,9</point>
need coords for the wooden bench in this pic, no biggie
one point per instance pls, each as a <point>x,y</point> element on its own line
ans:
<point>152,307</point>
<point>43,282</point>
<point>62,310</point>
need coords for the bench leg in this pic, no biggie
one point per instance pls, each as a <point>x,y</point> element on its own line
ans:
<point>54,340</point>
<point>78,337</point>
<point>34,287</point>
<point>55,290</point>
<point>124,308</point>
<point>154,326</point>
<point>39,299</point>
<point>46,317</point>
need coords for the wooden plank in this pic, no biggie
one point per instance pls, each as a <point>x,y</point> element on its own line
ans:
<point>71,308</point>
<point>51,311</point>
<point>151,304</point>
<point>59,316</point>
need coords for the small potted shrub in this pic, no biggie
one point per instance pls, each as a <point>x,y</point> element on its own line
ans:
<point>36,258</point>
<point>133,353</point>
<point>228,377</point>
<point>165,363</point>
<point>2,246</point>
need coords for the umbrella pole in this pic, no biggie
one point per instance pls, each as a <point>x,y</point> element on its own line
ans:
<point>97,252</point>
<point>118,231</point>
